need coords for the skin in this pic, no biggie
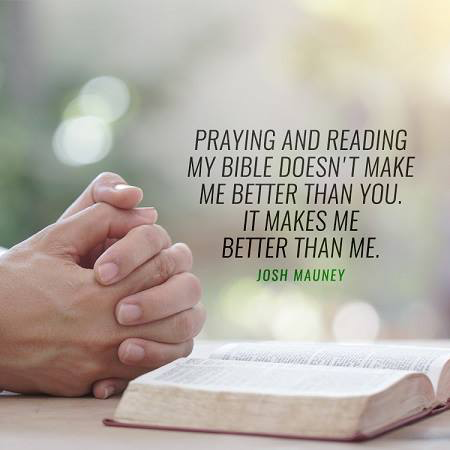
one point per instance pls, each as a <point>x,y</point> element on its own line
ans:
<point>81,331</point>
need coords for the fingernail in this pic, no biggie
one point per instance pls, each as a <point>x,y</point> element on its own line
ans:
<point>109,390</point>
<point>147,213</point>
<point>107,271</point>
<point>128,313</point>
<point>134,353</point>
<point>122,187</point>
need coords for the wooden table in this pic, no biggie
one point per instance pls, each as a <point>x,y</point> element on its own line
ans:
<point>60,423</point>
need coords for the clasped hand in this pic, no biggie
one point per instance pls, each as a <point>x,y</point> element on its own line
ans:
<point>95,299</point>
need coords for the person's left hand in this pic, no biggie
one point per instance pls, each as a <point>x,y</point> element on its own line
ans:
<point>109,188</point>
<point>173,259</point>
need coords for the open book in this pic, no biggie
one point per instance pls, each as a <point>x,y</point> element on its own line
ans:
<point>321,391</point>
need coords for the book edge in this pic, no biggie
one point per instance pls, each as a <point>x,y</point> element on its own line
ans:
<point>356,437</point>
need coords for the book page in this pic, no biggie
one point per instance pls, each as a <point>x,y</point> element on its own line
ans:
<point>428,360</point>
<point>271,378</point>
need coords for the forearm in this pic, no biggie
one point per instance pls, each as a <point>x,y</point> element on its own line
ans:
<point>1,251</point>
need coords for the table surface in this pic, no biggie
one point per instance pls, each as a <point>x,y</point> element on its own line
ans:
<point>39,422</point>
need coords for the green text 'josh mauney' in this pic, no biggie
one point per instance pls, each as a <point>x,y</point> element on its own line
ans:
<point>301,275</point>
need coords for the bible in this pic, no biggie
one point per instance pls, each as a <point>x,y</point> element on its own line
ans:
<point>297,390</point>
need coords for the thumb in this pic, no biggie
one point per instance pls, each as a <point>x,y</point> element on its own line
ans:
<point>110,188</point>
<point>80,233</point>
<point>106,388</point>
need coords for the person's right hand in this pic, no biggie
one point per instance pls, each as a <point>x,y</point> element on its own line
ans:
<point>58,331</point>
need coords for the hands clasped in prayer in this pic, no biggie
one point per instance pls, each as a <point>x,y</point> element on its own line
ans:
<point>96,299</point>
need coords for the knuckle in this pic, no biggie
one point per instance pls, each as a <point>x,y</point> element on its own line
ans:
<point>201,314</point>
<point>185,253</point>
<point>164,236</point>
<point>192,286</point>
<point>92,370</point>
<point>188,347</point>
<point>53,242</point>
<point>51,233</point>
<point>198,319</point>
<point>105,176</point>
<point>102,209</point>
<point>79,295</point>
<point>98,344</point>
<point>149,235</point>
<point>165,265</point>
<point>184,325</point>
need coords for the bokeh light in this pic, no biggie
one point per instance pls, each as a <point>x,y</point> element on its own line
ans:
<point>248,305</point>
<point>298,317</point>
<point>356,321</point>
<point>82,140</point>
<point>280,314</point>
<point>85,135</point>
<point>106,97</point>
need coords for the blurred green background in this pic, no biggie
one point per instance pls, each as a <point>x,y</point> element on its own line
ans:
<point>92,86</point>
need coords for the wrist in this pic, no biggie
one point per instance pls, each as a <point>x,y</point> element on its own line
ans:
<point>7,372</point>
